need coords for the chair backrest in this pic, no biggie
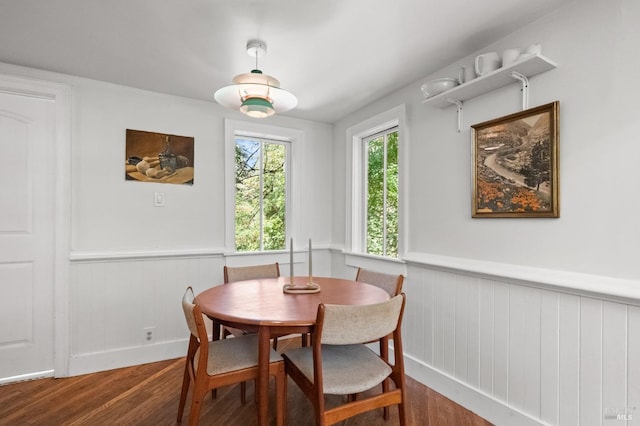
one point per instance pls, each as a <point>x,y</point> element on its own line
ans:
<point>242,273</point>
<point>192,315</point>
<point>366,323</point>
<point>392,284</point>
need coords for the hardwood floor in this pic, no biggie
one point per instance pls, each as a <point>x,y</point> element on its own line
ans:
<point>148,395</point>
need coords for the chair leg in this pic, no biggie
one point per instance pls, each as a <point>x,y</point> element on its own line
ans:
<point>185,390</point>
<point>304,340</point>
<point>384,354</point>
<point>281,397</point>
<point>196,405</point>
<point>402,413</point>
<point>243,393</point>
<point>385,410</point>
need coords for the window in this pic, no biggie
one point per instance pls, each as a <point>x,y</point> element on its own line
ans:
<point>375,191</point>
<point>260,194</point>
<point>381,195</point>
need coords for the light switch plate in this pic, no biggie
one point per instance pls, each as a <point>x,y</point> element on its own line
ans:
<point>158,199</point>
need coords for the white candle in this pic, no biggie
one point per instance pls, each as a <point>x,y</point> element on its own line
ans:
<point>310,256</point>
<point>291,262</point>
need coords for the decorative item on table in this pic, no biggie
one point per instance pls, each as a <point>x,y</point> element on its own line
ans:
<point>310,287</point>
<point>435,87</point>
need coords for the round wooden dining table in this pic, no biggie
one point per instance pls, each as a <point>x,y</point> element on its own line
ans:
<point>262,306</point>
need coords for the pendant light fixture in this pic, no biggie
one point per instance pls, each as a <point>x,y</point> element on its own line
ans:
<point>254,93</point>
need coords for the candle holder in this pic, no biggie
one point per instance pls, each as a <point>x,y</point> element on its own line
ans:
<point>294,288</point>
<point>310,287</point>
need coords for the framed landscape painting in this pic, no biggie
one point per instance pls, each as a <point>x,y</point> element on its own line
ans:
<point>515,164</point>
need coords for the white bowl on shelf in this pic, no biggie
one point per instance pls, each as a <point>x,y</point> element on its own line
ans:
<point>437,86</point>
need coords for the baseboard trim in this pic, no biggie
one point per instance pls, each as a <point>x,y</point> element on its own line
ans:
<point>126,357</point>
<point>487,407</point>
<point>24,377</point>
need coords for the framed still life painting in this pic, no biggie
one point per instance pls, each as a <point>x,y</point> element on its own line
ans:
<point>515,164</point>
<point>159,157</point>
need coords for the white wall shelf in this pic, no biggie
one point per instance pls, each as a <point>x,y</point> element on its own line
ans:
<point>501,77</point>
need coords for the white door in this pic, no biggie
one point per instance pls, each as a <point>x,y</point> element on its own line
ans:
<point>27,187</point>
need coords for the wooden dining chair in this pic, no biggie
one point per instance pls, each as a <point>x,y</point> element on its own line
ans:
<point>212,364</point>
<point>392,284</point>
<point>243,273</point>
<point>338,362</point>
<point>252,272</point>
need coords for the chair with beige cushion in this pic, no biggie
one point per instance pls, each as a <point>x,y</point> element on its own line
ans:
<point>244,273</point>
<point>339,362</point>
<point>253,272</point>
<point>391,283</point>
<point>212,364</point>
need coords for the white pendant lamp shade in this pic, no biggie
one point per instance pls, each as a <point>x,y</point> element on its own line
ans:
<point>256,94</point>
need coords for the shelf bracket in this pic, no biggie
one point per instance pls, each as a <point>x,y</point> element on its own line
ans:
<point>525,87</point>
<point>459,105</point>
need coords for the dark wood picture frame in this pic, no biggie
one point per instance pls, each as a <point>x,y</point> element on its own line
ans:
<point>159,157</point>
<point>515,164</point>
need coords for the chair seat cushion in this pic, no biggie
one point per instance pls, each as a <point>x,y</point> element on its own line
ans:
<point>346,369</point>
<point>234,353</point>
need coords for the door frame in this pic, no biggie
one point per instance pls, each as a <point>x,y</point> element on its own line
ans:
<point>60,93</point>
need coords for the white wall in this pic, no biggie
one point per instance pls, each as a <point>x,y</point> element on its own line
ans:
<point>131,261</point>
<point>528,321</point>
<point>193,216</point>
<point>595,234</point>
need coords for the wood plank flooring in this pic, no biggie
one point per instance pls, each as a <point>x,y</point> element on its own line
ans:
<point>148,395</point>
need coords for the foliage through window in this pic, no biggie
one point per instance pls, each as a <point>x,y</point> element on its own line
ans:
<point>381,151</point>
<point>260,194</point>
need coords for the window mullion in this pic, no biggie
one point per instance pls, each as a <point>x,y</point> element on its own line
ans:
<point>384,195</point>
<point>261,195</point>
<point>365,198</point>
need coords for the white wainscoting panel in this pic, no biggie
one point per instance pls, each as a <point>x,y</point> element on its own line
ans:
<point>114,300</point>
<point>549,356</point>
<point>116,296</point>
<point>546,357</point>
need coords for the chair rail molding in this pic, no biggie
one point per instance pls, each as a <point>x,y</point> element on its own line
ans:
<point>111,255</point>
<point>603,287</point>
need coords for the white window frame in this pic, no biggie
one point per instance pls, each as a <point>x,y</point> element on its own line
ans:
<point>294,140</point>
<point>365,172</point>
<point>356,203</point>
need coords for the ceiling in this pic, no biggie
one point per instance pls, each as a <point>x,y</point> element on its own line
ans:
<point>334,55</point>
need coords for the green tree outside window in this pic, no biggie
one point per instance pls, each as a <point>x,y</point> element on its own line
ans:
<point>260,195</point>
<point>382,194</point>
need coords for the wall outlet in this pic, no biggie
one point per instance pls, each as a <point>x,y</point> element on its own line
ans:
<point>149,335</point>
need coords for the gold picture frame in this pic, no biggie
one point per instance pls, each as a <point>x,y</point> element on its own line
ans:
<point>515,164</point>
